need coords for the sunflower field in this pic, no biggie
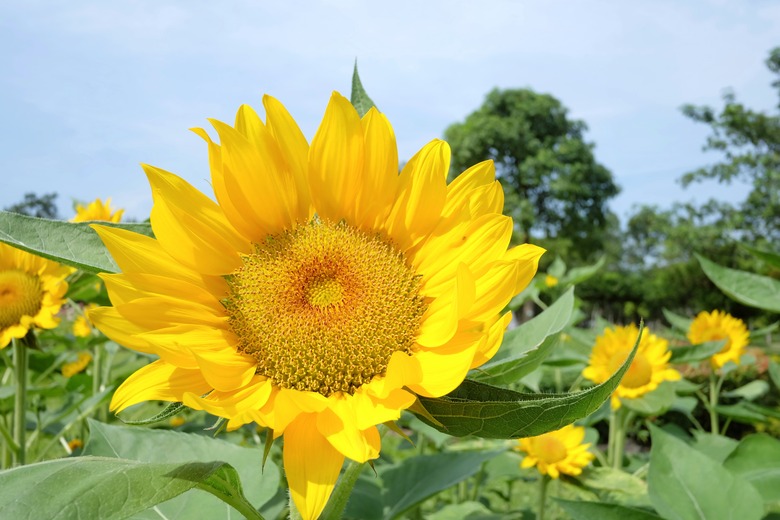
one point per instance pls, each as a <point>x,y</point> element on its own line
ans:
<point>325,337</point>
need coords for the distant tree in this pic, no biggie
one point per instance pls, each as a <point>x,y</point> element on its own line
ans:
<point>750,142</point>
<point>553,185</point>
<point>43,206</point>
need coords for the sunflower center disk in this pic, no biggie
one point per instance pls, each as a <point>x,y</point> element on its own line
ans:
<point>551,450</point>
<point>20,295</point>
<point>638,374</point>
<point>324,307</point>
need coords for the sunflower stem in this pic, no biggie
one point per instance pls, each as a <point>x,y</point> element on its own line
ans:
<point>97,378</point>
<point>20,397</point>
<point>620,417</point>
<point>543,482</point>
<point>340,496</point>
<point>714,420</point>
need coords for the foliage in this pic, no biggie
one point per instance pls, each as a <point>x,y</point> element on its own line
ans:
<point>554,187</point>
<point>42,206</point>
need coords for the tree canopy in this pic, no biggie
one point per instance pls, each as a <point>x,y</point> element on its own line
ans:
<point>554,187</point>
<point>42,206</point>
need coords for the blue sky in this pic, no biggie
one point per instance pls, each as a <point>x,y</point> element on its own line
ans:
<point>91,89</point>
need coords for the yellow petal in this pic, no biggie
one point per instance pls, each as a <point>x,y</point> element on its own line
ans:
<point>443,369</point>
<point>370,411</point>
<point>440,321</point>
<point>295,151</point>
<point>233,403</point>
<point>336,161</point>
<point>422,193</point>
<point>311,464</point>
<point>191,227</point>
<point>380,171</point>
<point>158,381</point>
<point>338,423</point>
<point>160,312</point>
<point>123,288</point>
<point>458,191</point>
<point>224,368</point>
<point>402,370</point>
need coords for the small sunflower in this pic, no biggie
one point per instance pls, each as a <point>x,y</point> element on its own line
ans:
<point>75,367</point>
<point>649,368</point>
<point>718,325</point>
<point>32,290</point>
<point>82,327</point>
<point>558,452</point>
<point>97,210</point>
<point>321,293</point>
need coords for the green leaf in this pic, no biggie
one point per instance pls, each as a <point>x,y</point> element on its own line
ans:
<point>750,391</point>
<point>685,484</point>
<point>73,244</point>
<point>615,486</point>
<point>747,288</point>
<point>696,353</point>
<point>525,347</point>
<point>418,478</point>
<point>582,510</point>
<point>148,445</point>
<point>464,511</point>
<point>580,274</point>
<point>741,412</point>
<point>98,487</point>
<point>717,447</point>
<point>169,411</point>
<point>774,373</point>
<point>487,411</point>
<point>757,460</point>
<point>359,97</point>
<point>769,257</point>
<point>653,403</point>
<point>677,321</point>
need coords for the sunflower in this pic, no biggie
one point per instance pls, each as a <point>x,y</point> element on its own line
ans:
<point>718,325</point>
<point>75,367</point>
<point>97,210</point>
<point>557,452</point>
<point>321,293</point>
<point>649,368</point>
<point>32,290</point>
<point>82,327</point>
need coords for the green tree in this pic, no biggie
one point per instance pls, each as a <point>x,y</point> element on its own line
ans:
<point>750,143</point>
<point>554,187</point>
<point>43,206</point>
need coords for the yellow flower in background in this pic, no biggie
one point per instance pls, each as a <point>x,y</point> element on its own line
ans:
<point>75,367</point>
<point>177,421</point>
<point>97,210</point>
<point>75,444</point>
<point>558,452</point>
<point>82,327</point>
<point>321,293</point>
<point>718,325</point>
<point>550,281</point>
<point>32,290</point>
<point>649,368</point>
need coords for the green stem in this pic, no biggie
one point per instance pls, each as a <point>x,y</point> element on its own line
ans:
<point>543,482</point>
<point>236,500</point>
<point>20,397</point>
<point>97,379</point>
<point>612,436</point>
<point>622,417</point>
<point>340,496</point>
<point>714,423</point>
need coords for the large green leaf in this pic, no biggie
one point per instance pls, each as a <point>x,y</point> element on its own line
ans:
<point>678,321</point>
<point>582,510</point>
<point>144,444</point>
<point>685,484</point>
<point>717,447</point>
<point>98,487</point>
<point>757,460</point>
<point>747,288</point>
<point>359,97</point>
<point>418,478</point>
<point>488,411</point>
<point>769,257</point>
<point>653,403</point>
<point>696,353</point>
<point>73,244</point>
<point>525,347</point>
<point>615,486</point>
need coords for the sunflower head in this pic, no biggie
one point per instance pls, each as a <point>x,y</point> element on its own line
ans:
<point>649,368</point>
<point>32,290</point>
<point>97,210</point>
<point>558,452</point>
<point>719,325</point>
<point>78,366</point>
<point>321,292</point>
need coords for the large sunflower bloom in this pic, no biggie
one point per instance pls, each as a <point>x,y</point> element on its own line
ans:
<point>97,210</point>
<point>32,290</point>
<point>557,452</point>
<point>649,368</point>
<point>718,325</point>
<point>321,292</point>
